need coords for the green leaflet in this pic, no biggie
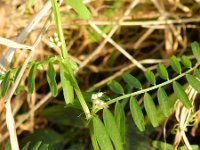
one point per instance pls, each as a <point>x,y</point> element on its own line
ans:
<point>31,78</point>
<point>131,80</point>
<point>51,78</point>
<point>137,114</point>
<point>162,145</point>
<point>5,84</point>
<point>80,8</point>
<point>93,137</point>
<point>197,73</point>
<point>175,64</point>
<point>150,76</point>
<point>119,115</point>
<point>194,147</point>
<point>66,83</point>
<point>186,61</point>
<point>115,87</point>
<point>163,101</point>
<point>112,129</point>
<point>193,82</point>
<point>162,71</point>
<point>196,50</point>
<point>101,134</point>
<point>179,91</point>
<point>151,109</point>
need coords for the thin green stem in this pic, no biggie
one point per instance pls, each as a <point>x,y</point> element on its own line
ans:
<point>151,88</point>
<point>64,56</point>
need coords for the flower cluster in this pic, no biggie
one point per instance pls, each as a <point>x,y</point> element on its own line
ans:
<point>97,102</point>
<point>55,41</point>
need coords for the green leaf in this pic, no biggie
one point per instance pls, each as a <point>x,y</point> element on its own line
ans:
<point>68,90</point>
<point>80,8</point>
<point>163,101</point>
<point>116,87</point>
<point>37,146</point>
<point>31,78</point>
<point>186,61</point>
<point>131,80</point>
<point>93,137</point>
<point>101,134</point>
<point>194,147</point>
<point>196,50</point>
<point>197,73</point>
<point>162,145</point>
<point>162,71</point>
<point>5,84</point>
<point>112,129</point>
<point>179,91</point>
<point>151,109</point>
<point>193,82</point>
<point>137,115</point>
<point>150,76</point>
<point>175,64</point>
<point>51,78</point>
<point>26,147</point>
<point>120,119</point>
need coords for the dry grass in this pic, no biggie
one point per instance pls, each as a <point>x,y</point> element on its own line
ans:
<point>132,34</point>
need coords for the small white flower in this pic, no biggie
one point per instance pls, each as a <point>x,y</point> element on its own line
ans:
<point>97,102</point>
<point>102,103</point>
<point>94,96</point>
<point>59,44</point>
<point>100,94</point>
<point>56,39</point>
<point>51,39</point>
<point>51,44</point>
<point>55,34</point>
